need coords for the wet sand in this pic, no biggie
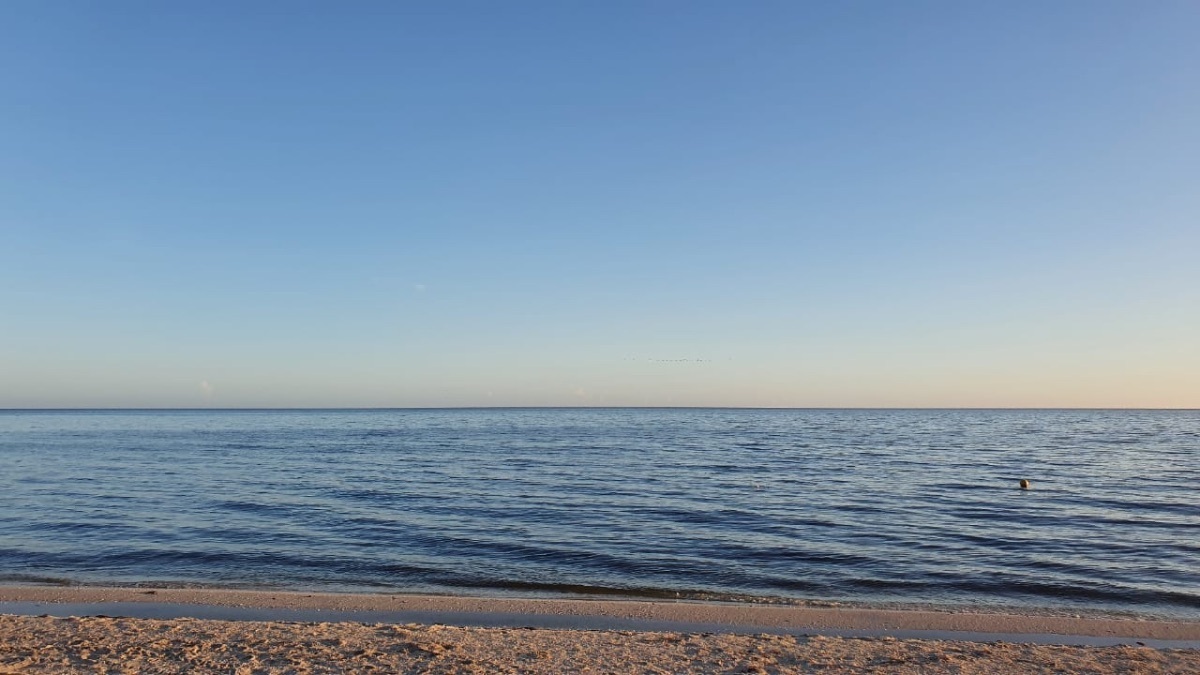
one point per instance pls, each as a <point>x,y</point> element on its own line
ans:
<point>781,638</point>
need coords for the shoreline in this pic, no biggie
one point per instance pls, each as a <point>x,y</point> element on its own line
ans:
<point>85,630</point>
<point>595,614</point>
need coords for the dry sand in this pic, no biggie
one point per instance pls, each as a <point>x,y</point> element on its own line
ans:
<point>47,644</point>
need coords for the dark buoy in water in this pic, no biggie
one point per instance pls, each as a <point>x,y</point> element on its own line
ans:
<point>1024,484</point>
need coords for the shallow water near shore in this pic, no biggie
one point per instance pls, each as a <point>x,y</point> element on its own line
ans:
<point>878,506</point>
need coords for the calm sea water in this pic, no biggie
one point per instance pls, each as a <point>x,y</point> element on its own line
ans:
<point>845,505</point>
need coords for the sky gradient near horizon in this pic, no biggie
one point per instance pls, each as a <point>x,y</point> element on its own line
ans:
<point>280,204</point>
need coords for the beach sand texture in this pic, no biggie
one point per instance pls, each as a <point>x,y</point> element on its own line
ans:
<point>105,644</point>
<point>118,645</point>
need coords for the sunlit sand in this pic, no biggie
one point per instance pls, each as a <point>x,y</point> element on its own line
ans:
<point>741,637</point>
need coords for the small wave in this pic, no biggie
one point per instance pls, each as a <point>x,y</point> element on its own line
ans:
<point>36,579</point>
<point>560,589</point>
<point>1106,594</point>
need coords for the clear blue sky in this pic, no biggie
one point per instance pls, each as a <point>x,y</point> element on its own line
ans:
<point>608,203</point>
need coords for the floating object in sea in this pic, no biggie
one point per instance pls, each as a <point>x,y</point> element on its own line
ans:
<point>1024,484</point>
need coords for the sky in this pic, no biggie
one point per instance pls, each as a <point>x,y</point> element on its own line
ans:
<point>784,204</point>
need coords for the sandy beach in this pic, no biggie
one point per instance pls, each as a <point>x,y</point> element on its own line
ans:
<point>512,635</point>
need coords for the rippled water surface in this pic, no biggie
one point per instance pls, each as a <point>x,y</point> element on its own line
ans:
<point>859,505</point>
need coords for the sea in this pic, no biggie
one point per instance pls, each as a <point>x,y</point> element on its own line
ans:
<point>880,507</point>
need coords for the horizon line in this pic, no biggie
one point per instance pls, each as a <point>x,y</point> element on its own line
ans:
<point>578,407</point>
